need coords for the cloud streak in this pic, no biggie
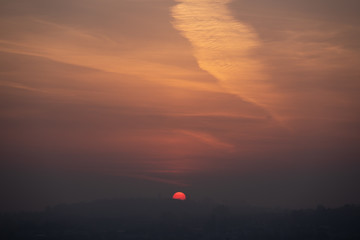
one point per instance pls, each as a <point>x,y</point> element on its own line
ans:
<point>223,47</point>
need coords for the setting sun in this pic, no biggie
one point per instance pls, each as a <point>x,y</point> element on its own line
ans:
<point>179,196</point>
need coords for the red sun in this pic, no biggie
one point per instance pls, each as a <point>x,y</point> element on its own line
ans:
<point>179,196</point>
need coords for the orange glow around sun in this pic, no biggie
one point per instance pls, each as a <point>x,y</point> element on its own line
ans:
<point>179,196</point>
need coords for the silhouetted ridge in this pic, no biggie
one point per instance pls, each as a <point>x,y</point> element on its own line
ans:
<point>129,207</point>
<point>172,219</point>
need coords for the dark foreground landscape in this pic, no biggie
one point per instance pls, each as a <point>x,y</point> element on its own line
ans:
<point>174,219</point>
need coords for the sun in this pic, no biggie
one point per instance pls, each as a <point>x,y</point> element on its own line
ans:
<point>179,196</point>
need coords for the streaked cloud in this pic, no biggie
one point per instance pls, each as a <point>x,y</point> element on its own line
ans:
<point>223,47</point>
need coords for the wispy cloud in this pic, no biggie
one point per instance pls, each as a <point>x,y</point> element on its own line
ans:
<point>223,47</point>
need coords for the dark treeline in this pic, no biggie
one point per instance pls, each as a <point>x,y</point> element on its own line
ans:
<point>173,219</point>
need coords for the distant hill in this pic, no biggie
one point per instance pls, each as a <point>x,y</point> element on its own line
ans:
<point>130,207</point>
<point>174,219</point>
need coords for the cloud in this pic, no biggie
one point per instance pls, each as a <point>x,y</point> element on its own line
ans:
<point>222,47</point>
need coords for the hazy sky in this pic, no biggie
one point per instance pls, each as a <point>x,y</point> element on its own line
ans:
<point>245,101</point>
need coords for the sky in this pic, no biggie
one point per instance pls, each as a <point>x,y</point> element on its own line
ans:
<point>252,102</point>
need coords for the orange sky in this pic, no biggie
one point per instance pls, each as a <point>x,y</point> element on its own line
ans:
<point>182,92</point>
